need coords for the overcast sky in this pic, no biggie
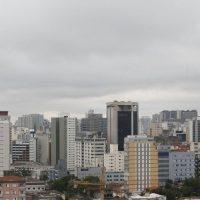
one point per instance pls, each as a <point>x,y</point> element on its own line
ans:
<point>77,55</point>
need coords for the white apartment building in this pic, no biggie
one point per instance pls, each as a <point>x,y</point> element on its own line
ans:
<point>33,149</point>
<point>114,161</point>
<point>90,150</point>
<point>70,143</point>
<point>5,137</point>
<point>64,131</point>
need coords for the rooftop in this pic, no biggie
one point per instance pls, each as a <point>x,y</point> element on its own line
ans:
<point>11,179</point>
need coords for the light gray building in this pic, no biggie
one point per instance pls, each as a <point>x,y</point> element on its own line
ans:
<point>94,122</point>
<point>89,150</point>
<point>145,125</point>
<point>43,148</point>
<point>115,177</point>
<point>31,121</point>
<point>64,130</point>
<point>194,130</point>
<point>181,165</point>
<point>122,120</point>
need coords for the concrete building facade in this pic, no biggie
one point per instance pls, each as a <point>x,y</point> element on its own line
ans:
<point>181,165</point>
<point>83,172</point>
<point>64,130</point>
<point>5,142</point>
<point>141,163</point>
<point>31,121</point>
<point>122,120</point>
<point>90,150</point>
<point>114,161</point>
<point>94,122</point>
<point>163,164</point>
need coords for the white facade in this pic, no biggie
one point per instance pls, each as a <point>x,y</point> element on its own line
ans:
<point>114,161</point>
<point>35,186</point>
<point>90,151</point>
<point>70,143</point>
<point>33,149</point>
<point>4,143</point>
<point>151,196</point>
<point>195,147</point>
<point>18,132</point>
<point>63,135</point>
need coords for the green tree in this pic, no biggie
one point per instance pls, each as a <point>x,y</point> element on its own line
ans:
<point>92,179</point>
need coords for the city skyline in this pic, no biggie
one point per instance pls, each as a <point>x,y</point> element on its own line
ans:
<point>74,56</point>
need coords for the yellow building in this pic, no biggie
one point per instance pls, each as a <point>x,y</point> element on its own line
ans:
<point>141,163</point>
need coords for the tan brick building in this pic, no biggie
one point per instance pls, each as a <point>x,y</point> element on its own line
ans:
<point>141,163</point>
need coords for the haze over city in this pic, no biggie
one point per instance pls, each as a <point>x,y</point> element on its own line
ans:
<point>76,55</point>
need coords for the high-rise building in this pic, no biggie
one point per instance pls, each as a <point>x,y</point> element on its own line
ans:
<point>194,130</point>
<point>188,115</point>
<point>20,151</point>
<point>94,122</point>
<point>122,120</point>
<point>141,163</point>
<point>23,150</point>
<point>163,164</point>
<point>5,141</point>
<point>64,131</point>
<point>90,150</point>
<point>43,148</point>
<point>145,125</point>
<point>31,121</point>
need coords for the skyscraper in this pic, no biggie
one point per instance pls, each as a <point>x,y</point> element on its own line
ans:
<point>122,120</point>
<point>5,137</point>
<point>63,141</point>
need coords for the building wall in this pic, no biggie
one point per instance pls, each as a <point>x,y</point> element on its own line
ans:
<point>11,188</point>
<point>181,165</point>
<point>20,151</point>
<point>43,148</point>
<point>64,130</point>
<point>94,122</point>
<point>5,136</point>
<point>35,186</point>
<point>144,125</point>
<point>31,121</point>
<point>89,151</point>
<point>33,149</point>
<point>163,164</point>
<point>141,163</point>
<point>115,177</point>
<point>83,172</point>
<point>114,161</point>
<point>122,120</point>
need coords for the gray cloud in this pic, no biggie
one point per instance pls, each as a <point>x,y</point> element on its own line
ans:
<point>74,55</point>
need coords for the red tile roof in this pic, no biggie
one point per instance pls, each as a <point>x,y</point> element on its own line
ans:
<point>12,179</point>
